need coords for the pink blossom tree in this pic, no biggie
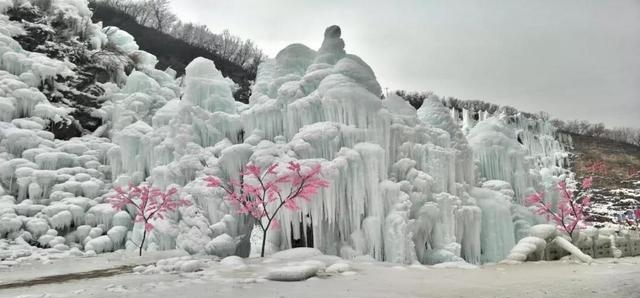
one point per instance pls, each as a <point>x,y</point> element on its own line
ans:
<point>262,194</point>
<point>149,203</point>
<point>569,214</point>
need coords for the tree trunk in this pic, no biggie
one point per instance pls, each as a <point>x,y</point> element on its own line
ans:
<point>264,241</point>
<point>144,236</point>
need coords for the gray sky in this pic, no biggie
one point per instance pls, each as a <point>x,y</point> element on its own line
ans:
<point>572,58</point>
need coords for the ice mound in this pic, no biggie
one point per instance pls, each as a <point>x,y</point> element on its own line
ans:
<point>338,268</point>
<point>292,273</point>
<point>184,264</point>
<point>296,253</point>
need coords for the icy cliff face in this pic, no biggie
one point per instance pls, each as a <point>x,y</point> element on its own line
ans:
<point>406,185</point>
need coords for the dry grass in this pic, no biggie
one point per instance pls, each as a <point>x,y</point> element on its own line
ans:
<point>619,158</point>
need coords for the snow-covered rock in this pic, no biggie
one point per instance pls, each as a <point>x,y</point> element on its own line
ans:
<point>221,246</point>
<point>292,273</point>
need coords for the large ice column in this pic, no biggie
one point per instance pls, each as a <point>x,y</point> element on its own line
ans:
<point>279,82</point>
<point>435,232</point>
<point>353,210</point>
<point>343,100</point>
<point>401,110</point>
<point>332,48</point>
<point>499,154</point>
<point>292,63</point>
<point>541,139</point>
<point>398,228</point>
<point>437,161</point>
<point>139,100</point>
<point>468,232</point>
<point>120,39</point>
<point>205,128</point>
<point>134,148</point>
<point>434,113</point>
<point>302,87</point>
<point>206,88</point>
<point>497,232</point>
<point>324,139</point>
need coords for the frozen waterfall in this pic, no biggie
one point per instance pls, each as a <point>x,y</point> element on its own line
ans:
<point>405,186</point>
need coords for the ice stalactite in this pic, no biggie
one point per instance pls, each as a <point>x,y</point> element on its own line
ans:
<point>434,113</point>
<point>206,88</point>
<point>468,230</point>
<point>134,147</point>
<point>398,227</point>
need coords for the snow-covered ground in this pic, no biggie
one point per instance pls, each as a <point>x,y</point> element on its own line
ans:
<point>235,277</point>
<point>610,204</point>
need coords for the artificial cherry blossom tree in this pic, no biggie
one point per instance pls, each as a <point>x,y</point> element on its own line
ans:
<point>569,214</point>
<point>262,194</point>
<point>149,203</point>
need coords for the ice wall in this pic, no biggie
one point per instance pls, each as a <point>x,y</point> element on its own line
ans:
<point>400,178</point>
<point>52,192</point>
<point>405,185</point>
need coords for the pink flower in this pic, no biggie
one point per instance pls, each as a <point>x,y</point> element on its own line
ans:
<point>291,205</point>
<point>294,166</point>
<point>212,181</point>
<point>184,202</point>
<point>252,170</point>
<point>534,199</point>
<point>148,227</point>
<point>272,169</point>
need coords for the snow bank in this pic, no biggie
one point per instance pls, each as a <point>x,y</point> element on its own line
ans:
<point>296,253</point>
<point>222,246</point>
<point>338,268</point>
<point>184,264</point>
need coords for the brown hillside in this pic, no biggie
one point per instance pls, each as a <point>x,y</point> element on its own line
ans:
<point>614,191</point>
<point>619,158</point>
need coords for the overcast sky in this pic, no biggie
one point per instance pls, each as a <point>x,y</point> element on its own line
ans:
<point>574,59</point>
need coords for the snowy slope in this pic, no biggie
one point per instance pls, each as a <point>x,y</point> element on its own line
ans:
<point>406,186</point>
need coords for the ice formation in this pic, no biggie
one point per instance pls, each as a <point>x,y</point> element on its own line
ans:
<point>429,186</point>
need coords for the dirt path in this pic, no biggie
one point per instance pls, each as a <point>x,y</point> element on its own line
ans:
<point>68,277</point>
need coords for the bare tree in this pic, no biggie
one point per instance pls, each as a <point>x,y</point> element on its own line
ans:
<point>157,14</point>
<point>636,138</point>
<point>161,16</point>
